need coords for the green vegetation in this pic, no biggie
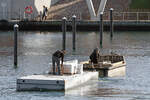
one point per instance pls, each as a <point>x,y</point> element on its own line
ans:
<point>140,4</point>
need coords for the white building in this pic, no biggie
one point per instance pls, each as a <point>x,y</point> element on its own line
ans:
<point>15,9</point>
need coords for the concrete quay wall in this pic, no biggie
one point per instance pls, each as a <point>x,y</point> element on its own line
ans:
<point>81,25</point>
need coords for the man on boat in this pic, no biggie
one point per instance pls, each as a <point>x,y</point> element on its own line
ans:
<point>56,57</point>
<point>95,56</point>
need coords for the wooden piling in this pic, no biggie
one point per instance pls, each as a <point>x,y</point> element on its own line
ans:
<point>15,44</point>
<point>101,28</point>
<point>74,32</point>
<point>111,23</point>
<point>64,28</point>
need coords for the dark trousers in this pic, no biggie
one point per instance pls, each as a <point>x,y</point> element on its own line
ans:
<point>43,16</point>
<point>57,61</point>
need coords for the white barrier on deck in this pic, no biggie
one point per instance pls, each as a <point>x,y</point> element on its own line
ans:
<point>70,67</point>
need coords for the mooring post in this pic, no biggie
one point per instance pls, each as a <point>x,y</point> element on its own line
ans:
<point>40,15</point>
<point>111,22</point>
<point>64,28</point>
<point>15,44</point>
<point>74,32</point>
<point>101,28</point>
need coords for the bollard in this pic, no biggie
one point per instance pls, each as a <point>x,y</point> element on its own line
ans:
<point>74,31</point>
<point>101,28</point>
<point>15,44</point>
<point>19,14</point>
<point>24,16</point>
<point>64,28</point>
<point>40,15</point>
<point>111,22</point>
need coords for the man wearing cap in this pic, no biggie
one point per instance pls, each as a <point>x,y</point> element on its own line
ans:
<point>95,56</point>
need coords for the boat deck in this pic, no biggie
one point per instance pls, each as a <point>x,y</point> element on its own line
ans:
<point>53,82</point>
<point>108,66</point>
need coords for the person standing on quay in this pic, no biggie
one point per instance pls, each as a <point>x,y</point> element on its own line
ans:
<point>44,15</point>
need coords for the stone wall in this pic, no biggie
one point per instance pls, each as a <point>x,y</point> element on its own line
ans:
<point>54,2</point>
<point>68,8</point>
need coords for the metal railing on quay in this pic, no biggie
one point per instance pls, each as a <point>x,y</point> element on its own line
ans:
<point>128,16</point>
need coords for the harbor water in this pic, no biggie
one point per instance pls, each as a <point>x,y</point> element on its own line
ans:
<point>34,55</point>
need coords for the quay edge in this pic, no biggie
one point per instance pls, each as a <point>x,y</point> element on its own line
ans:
<point>81,25</point>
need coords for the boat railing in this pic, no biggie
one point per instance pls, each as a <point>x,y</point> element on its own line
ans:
<point>111,58</point>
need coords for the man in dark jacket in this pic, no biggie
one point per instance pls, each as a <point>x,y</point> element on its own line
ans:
<point>95,56</point>
<point>44,15</point>
<point>56,59</point>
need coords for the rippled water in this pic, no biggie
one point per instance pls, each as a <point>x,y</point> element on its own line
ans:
<point>35,49</point>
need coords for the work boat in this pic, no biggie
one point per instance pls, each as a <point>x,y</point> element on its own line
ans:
<point>108,65</point>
